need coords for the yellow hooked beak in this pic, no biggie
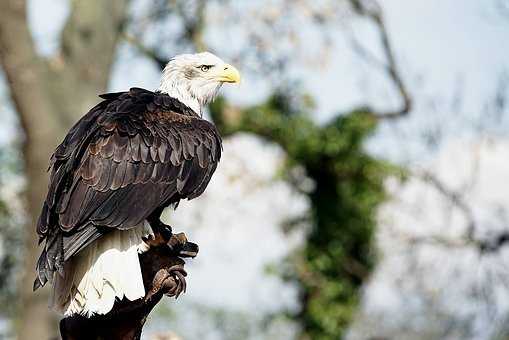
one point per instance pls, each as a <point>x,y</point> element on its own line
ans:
<point>228,74</point>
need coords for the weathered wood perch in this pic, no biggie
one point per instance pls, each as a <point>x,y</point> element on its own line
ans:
<point>163,274</point>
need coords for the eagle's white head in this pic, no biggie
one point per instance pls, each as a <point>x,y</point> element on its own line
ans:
<point>194,79</point>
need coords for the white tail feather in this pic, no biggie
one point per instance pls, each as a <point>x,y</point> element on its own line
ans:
<point>107,269</point>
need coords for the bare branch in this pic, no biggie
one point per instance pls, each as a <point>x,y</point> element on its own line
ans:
<point>374,12</point>
<point>366,54</point>
<point>146,51</point>
<point>194,23</point>
<point>437,240</point>
<point>485,246</point>
<point>193,26</point>
<point>454,197</point>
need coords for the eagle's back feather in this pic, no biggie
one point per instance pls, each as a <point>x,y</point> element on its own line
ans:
<point>133,153</point>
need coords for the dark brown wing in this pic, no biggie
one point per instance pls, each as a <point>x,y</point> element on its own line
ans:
<point>131,154</point>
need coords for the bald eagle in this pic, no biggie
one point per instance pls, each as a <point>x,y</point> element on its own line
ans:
<point>131,156</point>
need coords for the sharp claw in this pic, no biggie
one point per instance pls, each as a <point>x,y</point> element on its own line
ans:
<point>177,243</point>
<point>181,290</point>
<point>189,249</point>
<point>182,281</point>
<point>175,268</point>
<point>171,292</point>
<point>179,285</point>
<point>174,280</point>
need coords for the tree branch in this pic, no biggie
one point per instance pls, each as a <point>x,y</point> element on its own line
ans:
<point>193,18</point>
<point>194,24</point>
<point>146,51</point>
<point>24,69</point>
<point>88,46</point>
<point>90,36</point>
<point>375,14</point>
<point>454,197</point>
<point>492,244</point>
<point>163,274</point>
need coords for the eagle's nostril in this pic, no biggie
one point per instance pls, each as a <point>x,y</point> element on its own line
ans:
<point>226,68</point>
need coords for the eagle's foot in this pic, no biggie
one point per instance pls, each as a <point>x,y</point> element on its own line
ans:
<point>165,231</point>
<point>155,240</point>
<point>179,244</point>
<point>168,281</point>
<point>162,234</point>
<point>160,229</point>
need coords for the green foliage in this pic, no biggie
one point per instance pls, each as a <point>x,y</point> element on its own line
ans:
<point>338,254</point>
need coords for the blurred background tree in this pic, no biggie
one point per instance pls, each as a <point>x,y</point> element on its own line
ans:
<point>348,182</point>
<point>347,189</point>
<point>11,238</point>
<point>329,161</point>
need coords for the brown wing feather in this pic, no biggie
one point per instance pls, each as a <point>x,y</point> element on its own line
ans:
<point>133,153</point>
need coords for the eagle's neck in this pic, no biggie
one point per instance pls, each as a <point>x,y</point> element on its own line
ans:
<point>176,90</point>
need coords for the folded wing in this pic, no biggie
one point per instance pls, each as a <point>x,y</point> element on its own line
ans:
<point>133,153</point>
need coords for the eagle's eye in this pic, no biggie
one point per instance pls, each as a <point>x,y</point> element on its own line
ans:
<point>205,68</point>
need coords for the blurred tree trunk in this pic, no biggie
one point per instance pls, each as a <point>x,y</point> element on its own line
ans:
<point>49,94</point>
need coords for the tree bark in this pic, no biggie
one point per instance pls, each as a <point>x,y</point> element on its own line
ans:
<point>49,95</point>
